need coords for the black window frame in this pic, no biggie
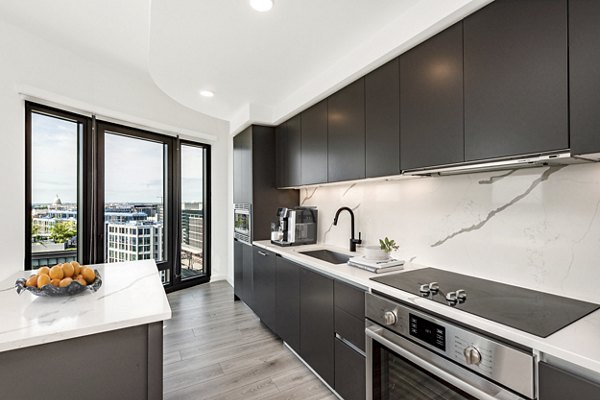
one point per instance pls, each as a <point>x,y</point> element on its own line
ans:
<point>90,209</point>
<point>83,167</point>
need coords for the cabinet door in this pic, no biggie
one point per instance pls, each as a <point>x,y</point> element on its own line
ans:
<point>242,167</point>
<point>287,307</point>
<point>515,63</point>
<point>350,374</point>
<point>248,274</point>
<point>584,80</point>
<point>280,155</point>
<point>314,144</point>
<point>382,121</point>
<point>349,313</point>
<point>294,151</point>
<point>346,133</point>
<point>264,286</point>
<point>289,148</point>
<point>431,101</point>
<point>238,269</point>
<point>556,384</point>
<point>316,323</point>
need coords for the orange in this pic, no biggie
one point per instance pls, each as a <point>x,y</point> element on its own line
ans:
<point>88,274</point>
<point>57,272</point>
<point>43,280</point>
<point>68,269</point>
<point>55,282</point>
<point>81,281</point>
<point>76,268</point>
<point>32,280</point>
<point>66,282</point>
<point>43,271</point>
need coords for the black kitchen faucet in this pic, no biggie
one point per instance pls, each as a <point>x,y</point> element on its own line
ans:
<point>353,241</point>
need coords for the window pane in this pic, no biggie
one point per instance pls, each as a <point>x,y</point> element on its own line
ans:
<point>134,204</point>
<point>54,145</point>
<point>192,212</point>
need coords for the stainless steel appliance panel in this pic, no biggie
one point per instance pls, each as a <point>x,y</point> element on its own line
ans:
<point>463,349</point>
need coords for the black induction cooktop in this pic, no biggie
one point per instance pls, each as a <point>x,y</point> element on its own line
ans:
<point>538,313</point>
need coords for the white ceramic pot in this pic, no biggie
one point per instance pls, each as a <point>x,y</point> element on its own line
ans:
<point>375,253</point>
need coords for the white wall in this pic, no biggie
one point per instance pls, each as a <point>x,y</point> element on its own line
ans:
<point>537,228</point>
<point>32,64</point>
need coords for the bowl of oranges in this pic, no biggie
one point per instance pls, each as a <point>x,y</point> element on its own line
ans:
<point>61,280</point>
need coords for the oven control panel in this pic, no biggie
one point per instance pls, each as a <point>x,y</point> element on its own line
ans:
<point>427,331</point>
<point>465,347</point>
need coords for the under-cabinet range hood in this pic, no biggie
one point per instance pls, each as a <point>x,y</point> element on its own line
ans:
<point>537,160</point>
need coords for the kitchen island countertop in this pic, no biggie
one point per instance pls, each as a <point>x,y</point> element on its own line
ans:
<point>131,294</point>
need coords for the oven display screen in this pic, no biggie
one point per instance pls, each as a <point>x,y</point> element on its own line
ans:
<point>428,332</point>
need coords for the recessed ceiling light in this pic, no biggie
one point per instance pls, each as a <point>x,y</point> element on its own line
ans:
<point>261,5</point>
<point>206,93</point>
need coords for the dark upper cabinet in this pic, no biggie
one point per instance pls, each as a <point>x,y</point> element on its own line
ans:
<point>242,167</point>
<point>316,323</point>
<point>515,78</point>
<point>382,121</point>
<point>289,152</point>
<point>238,269</point>
<point>287,306</point>
<point>264,268</point>
<point>280,155</point>
<point>556,384</point>
<point>314,144</point>
<point>584,80</point>
<point>431,101</point>
<point>254,169</point>
<point>346,133</point>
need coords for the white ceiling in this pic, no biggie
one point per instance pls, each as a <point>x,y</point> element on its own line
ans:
<point>262,67</point>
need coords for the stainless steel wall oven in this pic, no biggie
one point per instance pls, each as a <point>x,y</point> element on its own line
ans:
<point>242,222</point>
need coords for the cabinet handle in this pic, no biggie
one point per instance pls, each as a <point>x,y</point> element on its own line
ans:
<point>262,253</point>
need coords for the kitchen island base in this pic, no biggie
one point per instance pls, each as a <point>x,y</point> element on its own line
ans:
<point>120,364</point>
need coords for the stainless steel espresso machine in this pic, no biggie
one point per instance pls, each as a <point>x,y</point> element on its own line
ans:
<point>296,226</point>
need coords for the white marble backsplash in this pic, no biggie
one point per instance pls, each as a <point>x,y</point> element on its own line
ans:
<point>536,228</point>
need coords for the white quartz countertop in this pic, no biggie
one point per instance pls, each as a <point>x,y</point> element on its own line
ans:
<point>131,294</point>
<point>578,343</point>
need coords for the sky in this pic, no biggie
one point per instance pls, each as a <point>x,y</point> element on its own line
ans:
<point>133,167</point>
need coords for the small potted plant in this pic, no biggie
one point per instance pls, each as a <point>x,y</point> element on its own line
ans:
<point>381,252</point>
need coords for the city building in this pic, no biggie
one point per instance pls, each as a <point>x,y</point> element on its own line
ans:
<point>134,240</point>
<point>47,219</point>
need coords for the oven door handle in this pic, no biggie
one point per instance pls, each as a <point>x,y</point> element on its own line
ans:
<point>375,333</point>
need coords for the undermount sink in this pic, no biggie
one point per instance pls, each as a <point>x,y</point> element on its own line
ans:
<point>328,256</point>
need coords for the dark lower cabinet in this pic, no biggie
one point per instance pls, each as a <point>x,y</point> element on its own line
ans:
<point>556,384</point>
<point>350,313</point>
<point>287,307</point>
<point>316,323</point>
<point>346,133</point>
<point>515,79</point>
<point>584,79</point>
<point>320,318</point>
<point>431,101</point>
<point>238,269</point>
<point>264,268</point>
<point>350,375</point>
<point>248,276</point>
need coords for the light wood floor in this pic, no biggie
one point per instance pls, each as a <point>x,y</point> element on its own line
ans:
<point>215,348</point>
